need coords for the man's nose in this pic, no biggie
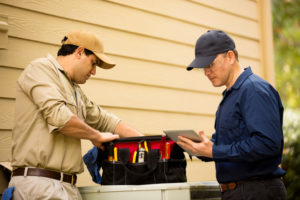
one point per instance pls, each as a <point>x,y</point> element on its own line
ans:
<point>206,71</point>
<point>93,72</point>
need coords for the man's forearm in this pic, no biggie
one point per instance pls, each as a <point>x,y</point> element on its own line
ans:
<point>78,129</point>
<point>75,127</point>
<point>124,130</point>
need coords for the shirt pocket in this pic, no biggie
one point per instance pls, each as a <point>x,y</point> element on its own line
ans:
<point>232,121</point>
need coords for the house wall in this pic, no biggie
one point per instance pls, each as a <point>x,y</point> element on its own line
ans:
<point>152,42</point>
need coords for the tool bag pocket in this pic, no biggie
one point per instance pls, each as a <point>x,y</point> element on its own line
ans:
<point>125,167</point>
<point>131,174</point>
<point>172,171</point>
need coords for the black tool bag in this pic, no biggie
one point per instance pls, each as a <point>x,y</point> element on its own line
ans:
<point>142,160</point>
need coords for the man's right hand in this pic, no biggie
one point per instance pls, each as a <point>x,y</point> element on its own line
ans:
<point>103,137</point>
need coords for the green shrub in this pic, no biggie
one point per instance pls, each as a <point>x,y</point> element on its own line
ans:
<point>291,154</point>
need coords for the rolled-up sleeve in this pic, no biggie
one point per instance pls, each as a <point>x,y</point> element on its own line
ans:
<point>41,85</point>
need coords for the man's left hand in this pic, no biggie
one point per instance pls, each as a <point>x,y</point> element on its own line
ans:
<point>203,148</point>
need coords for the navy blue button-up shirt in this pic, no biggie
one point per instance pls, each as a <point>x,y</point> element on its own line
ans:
<point>248,141</point>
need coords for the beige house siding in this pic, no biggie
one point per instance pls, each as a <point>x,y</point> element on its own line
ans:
<point>152,42</point>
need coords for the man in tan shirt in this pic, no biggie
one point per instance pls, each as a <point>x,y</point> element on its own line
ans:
<point>53,114</point>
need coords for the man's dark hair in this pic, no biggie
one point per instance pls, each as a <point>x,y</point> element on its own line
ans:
<point>236,54</point>
<point>67,49</point>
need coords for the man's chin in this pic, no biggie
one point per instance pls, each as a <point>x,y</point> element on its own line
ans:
<point>81,82</point>
<point>216,84</point>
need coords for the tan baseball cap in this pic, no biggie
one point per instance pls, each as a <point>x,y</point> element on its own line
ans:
<point>91,42</point>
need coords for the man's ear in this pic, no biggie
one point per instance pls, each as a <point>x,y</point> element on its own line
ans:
<point>78,52</point>
<point>230,56</point>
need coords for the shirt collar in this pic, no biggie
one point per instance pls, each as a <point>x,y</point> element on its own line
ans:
<point>246,73</point>
<point>55,63</point>
<point>58,66</point>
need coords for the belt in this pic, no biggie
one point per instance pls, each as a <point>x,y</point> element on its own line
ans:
<point>229,186</point>
<point>45,173</point>
<point>232,185</point>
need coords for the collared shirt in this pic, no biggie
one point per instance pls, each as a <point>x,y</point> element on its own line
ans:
<point>248,141</point>
<point>46,99</point>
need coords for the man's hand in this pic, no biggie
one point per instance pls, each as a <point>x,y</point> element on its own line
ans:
<point>77,128</point>
<point>102,138</point>
<point>204,148</point>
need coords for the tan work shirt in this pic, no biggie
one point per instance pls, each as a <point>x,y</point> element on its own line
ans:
<point>45,102</point>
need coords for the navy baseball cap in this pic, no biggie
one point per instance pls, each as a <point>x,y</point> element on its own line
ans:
<point>208,46</point>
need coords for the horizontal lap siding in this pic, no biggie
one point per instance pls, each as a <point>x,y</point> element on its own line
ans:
<point>127,70</point>
<point>152,42</point>
<point>233,7</point>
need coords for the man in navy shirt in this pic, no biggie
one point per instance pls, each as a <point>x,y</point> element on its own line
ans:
<point>248,142</point>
